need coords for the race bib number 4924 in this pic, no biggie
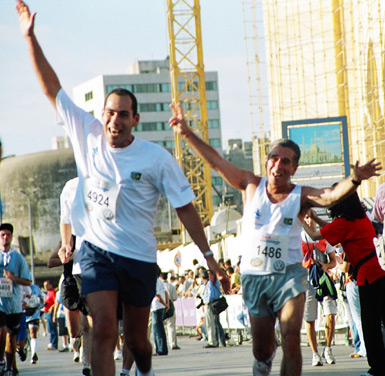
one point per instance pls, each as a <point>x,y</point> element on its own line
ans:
<point>101,198</point>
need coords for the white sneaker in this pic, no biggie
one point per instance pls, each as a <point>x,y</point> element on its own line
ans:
<point>328,355</point>
<point>262,368</point>
<point>317,361</point>
<point>118,355</point>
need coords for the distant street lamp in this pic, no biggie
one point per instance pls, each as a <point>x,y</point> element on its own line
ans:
<point>31,249</point>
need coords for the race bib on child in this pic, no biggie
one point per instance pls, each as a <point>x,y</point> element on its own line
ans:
<point>100,197</point>
<point>6,288</point>
<point>270,253</point>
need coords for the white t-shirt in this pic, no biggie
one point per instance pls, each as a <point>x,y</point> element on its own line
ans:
<point>67,198</point>
<point>128,180</point>
<point>160,290</point>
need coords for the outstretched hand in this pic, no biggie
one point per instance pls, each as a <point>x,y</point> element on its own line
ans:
<point>177,119</point>
<point>367,170</point>
<point>26,19</point>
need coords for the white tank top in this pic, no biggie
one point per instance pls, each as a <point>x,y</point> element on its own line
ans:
<point>280,220</point>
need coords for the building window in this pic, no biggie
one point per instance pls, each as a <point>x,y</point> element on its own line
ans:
<point>153,107</point>
<point>217,200</point>
<point>211,86</point>
<point>109,88</point>
<point>215,142</point>
<point>216,180</point>
<point>166,144</point>
<point>165,88</point>
<point>152,126</point>
<point>212,105</point>
<point>89,96</point>
<point>213,124</point>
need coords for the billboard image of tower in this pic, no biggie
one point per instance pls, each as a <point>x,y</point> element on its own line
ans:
<point>324,150</point>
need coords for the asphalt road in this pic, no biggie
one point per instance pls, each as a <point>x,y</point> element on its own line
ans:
<point>193,359</point>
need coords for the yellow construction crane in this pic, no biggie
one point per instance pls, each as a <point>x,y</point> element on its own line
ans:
<point>189,88</point>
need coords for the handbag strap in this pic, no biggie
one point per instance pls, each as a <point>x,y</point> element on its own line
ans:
<point>365,259</point>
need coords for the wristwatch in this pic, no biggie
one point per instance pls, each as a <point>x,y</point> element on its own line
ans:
<point>208,253</point>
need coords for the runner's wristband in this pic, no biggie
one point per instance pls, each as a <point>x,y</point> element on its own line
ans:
<point>355,182</point>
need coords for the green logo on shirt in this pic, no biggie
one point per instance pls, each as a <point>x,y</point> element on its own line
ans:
<point>136,175</point>
<point>288,221</point>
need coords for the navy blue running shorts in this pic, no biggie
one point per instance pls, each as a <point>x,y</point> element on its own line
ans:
<point>101,270</point>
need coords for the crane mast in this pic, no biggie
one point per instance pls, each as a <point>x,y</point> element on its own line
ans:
<point>189,89</point>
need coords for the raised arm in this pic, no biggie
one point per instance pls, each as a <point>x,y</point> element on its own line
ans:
<point>47,77</point>
<point>190,219</point>
<point>327,197</point>
<point>235,176</point>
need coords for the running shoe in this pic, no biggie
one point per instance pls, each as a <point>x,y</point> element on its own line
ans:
<point>76,356</point>
<point>317,361</point>
<point>118,355</point>
<point>34,359</point>
<point>328,355</point>
<point>262,368</point>
<point>22,354</point>
<point>87,371</point>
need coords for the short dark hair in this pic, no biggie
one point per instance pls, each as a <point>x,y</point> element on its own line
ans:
<point>124,93</point>
<point>205,274</point>
<point>230,269</point>
<point>286,143</point>
<point>6,226</point>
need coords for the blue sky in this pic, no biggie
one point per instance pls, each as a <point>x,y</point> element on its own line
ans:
<point>82,39</point>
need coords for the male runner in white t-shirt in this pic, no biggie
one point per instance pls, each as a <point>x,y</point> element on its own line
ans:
<point>120,179</point>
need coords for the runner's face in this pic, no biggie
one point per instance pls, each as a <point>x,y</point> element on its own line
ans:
<point>280,165</point>
<point>5,240</point>
<point>118,121</point>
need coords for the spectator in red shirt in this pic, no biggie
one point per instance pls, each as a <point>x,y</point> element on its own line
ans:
<point>352,228</point>
<point>49,314</point>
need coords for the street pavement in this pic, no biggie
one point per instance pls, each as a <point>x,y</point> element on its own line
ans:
<point>194,360</point>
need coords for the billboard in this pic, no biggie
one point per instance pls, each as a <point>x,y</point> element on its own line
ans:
<point>324,150</point>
